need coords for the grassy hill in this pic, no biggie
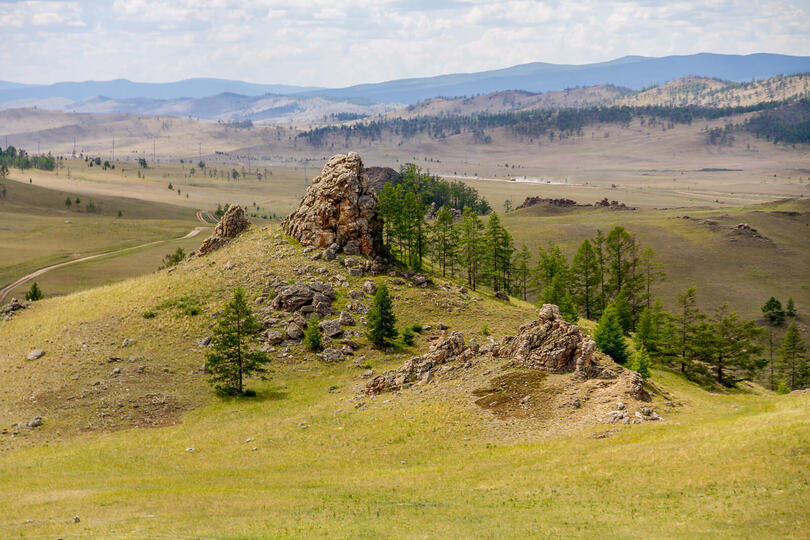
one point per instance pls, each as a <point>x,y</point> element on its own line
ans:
<point>145,452</point>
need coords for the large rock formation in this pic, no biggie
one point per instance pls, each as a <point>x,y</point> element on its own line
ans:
<point>551,344</point>
<point>232,223</point>
<point>338,208</point>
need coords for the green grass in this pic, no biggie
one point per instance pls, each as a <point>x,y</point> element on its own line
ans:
<point>423,463</point>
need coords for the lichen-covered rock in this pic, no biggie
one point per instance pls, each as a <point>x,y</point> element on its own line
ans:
<point>232,223</point>
<point>338,208</point>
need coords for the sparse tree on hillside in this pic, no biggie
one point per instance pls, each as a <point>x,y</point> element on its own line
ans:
<point>231,358</point>
<point>794,361</point>
<point>444,240</point>
<point>585,278</point>
<point>640,363</point>
<point>790,309</point>
<point>773,312</point>
<point>727,344</point>
<point>34,293</point>
<point>381,318</point>
<point>522,270</point>
<point>471,244</point>
<point>68,203</point>
<point>687,318</point>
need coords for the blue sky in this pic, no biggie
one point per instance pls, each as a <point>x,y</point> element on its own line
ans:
<point>342,42</point>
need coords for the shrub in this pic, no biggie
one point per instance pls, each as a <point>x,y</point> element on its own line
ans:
<point>417,328</point>
<point>149,314</point>
<point>407,336</point>
<point>485,329</point>
<point>782,388</point>
<point>312,335</point>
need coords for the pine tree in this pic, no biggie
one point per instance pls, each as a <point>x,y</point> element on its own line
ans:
<point>312,335</point>
<point>585,279</point>
<point>793,360</point>
<point>381,319</point>
<point>729,345</point>
<point>646,331</point>
<point>34,293</point>
<point>497,253</point>
<point>522,272</point>
<point>652,272</point>
<point>641,363</point>
<point>471,241</point>
<point>231,358</point>
<point>790,309</point>
<point>444,240</point>
<point>773,312</point>
<point>599,250</point>
<point>624,313</point>
<point>686,320</point>
<point>556,293</point>
<point>609,336</point>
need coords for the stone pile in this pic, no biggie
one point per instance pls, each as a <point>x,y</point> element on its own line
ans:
<point>230,225</point>
<point>338,211</point>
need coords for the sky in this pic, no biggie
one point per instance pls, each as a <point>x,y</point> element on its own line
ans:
<point>338,43</point>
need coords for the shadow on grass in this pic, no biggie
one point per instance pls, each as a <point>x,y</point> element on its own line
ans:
<point>254,396</point>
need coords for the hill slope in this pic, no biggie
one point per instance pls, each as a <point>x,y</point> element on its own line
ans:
<point>310,457</point>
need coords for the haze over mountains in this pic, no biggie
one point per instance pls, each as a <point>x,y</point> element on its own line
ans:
<point>220,99</point>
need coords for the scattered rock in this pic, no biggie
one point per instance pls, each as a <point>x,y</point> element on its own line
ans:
<point>331,354</point>
<point>204,342</point>
<point>369,287</point>
<point>232,223</point>
<point>36,354</point>
<point>339,207</point>
<point>273,337</point>
<point>127,342</point>
<point>500,295</point>
<point>331,328</point>
<point>294,331</point>
<point>346,319</point>
<point>358,307</point>
<point>9,309</point>
<point>35,422</point>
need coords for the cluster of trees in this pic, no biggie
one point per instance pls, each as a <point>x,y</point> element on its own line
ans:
<point>788,124</point>
<point>12,157</point>
<point>533,123</point>
<point>437,192</point>
<point>789,368</point>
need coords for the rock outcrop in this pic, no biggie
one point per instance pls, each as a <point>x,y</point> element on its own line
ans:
<point>420,368</point>
<point>230,225</point>
<point>551,344</point>
<point>338,208</point>
<point>312,297</point>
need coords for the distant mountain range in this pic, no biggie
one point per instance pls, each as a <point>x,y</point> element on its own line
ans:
<point>227,99</point>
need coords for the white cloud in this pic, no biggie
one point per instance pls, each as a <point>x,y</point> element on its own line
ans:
<point>330,43</point>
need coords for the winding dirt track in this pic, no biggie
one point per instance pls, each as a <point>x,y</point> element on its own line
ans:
<point>4,292</point>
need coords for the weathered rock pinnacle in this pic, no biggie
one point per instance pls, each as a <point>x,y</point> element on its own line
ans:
<point>338,208</point>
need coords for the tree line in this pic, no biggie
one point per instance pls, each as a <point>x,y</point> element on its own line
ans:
<point>12,157</point>
<point>535,123</point>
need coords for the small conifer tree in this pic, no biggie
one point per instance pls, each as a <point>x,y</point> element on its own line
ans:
<point>381,319</point>
<point>609,336</point>
<point>407,336</point>
<point>34,293</point>
<point>231,358</point>
<point>790,309</point>
<point>641,363</point>
<point>312,335</point>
